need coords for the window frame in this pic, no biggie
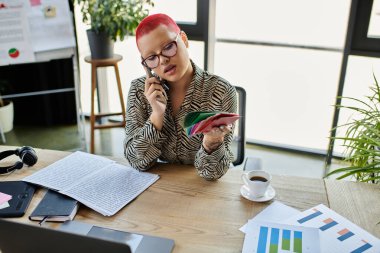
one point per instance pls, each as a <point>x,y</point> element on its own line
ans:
<point>199,31</point>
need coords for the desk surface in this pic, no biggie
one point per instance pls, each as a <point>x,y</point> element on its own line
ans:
<point>204,216</point>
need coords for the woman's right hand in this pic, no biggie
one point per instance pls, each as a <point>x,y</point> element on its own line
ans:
<point>157,98</point>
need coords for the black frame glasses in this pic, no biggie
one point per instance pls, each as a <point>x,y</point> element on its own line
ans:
<point>169,50</point>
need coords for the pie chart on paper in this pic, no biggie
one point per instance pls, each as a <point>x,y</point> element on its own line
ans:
<point>14,53</point>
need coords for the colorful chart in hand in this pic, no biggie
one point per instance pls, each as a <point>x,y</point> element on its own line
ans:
<point>14,53</point>
<point>203,122</point>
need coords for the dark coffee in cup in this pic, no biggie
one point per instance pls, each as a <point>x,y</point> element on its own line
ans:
<point>257,182</point>
<point>257,178</point>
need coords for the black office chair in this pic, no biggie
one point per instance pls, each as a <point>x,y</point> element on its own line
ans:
<point>238,143</point>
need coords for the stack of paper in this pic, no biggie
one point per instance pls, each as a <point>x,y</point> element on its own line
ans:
<point>4,198</point>
<point>95,181</point>
<point>280,228</point>
<point>203,122</point>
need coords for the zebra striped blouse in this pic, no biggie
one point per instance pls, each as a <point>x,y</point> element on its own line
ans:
<point>144,144</point>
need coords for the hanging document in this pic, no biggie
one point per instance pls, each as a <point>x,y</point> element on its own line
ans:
<point>15,46</point>
<point>51,25</point>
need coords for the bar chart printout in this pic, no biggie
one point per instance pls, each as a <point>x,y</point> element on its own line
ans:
<point>265,237</point>
<point>337,233</point>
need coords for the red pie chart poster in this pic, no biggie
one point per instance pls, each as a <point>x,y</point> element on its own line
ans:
<point>14,53</point>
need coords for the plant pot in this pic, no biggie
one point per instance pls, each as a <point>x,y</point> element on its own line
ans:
<point>101,45</point>
<point>6,116</point>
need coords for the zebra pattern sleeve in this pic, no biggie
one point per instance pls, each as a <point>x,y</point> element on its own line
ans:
<point>213,166</point>
<point>142,144</point>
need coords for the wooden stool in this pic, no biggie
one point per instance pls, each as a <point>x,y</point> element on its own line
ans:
<point>95,63</point>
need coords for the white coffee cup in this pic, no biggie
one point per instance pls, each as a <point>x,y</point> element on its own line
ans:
<point>257,182</point>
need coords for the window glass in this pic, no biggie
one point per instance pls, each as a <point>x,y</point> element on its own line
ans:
<point>184,11</point>
<point>374,24</point>
<point>318,22</point>
<point>290,92</point>
<point>359,79</point>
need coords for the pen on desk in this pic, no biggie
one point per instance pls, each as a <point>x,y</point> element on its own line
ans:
<point>43,220</point>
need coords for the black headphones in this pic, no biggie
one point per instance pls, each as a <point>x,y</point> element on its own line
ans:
<point>26,154</point>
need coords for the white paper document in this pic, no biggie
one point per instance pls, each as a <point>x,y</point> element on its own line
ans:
<point>4,205</point>
<point>267,232</point>
<point>15,46</point>
<point>267,237</point>
<point>275,212</point>
<point>337,234</point>
<point>50,24</point>
<point>95,181</point>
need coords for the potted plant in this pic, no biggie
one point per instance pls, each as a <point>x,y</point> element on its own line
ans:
<point>362,139</point>
<point>111,20</point>
<point>6,110</point>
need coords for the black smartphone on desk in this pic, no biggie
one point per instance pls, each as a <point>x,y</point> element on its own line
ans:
<point>21,192</point>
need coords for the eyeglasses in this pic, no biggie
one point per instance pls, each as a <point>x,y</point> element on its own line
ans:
<point>169,50</point>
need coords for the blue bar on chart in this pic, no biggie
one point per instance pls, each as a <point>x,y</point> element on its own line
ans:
<point>274,235</point>
<point>309,217</point>
<point>344,234</point>
<point>329,223</point>
<point>262,245</point>
<point>274,241</point>
<point>362,248</point>
<point>285,240</point>
<point>297,243</point>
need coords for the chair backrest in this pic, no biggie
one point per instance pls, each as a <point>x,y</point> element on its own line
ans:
<point>238,143</point>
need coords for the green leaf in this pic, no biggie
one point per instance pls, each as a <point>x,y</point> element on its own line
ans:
<point>362,137</point>
<point>117,18</point>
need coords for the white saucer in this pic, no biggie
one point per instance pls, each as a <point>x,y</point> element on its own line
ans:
<point>269,194</point>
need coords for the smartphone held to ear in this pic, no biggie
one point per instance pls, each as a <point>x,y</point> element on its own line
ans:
<point>149,73</point>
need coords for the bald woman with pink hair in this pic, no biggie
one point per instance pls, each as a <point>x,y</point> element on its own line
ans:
<point>158,103</point>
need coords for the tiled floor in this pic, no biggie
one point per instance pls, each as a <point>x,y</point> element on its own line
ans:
<point>110,142</point>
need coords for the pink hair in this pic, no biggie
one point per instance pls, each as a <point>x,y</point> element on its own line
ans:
<point>151,22</point>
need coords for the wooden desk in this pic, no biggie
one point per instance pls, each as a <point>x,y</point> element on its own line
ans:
<point>203,216</point>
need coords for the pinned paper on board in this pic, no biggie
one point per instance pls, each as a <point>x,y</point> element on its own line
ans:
<point>15,44</point>
<point>203,122</point>
<point>50,11</point>
<point>35,2</point>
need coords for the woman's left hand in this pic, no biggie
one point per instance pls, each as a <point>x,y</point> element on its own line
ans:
<point>215,137</point>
